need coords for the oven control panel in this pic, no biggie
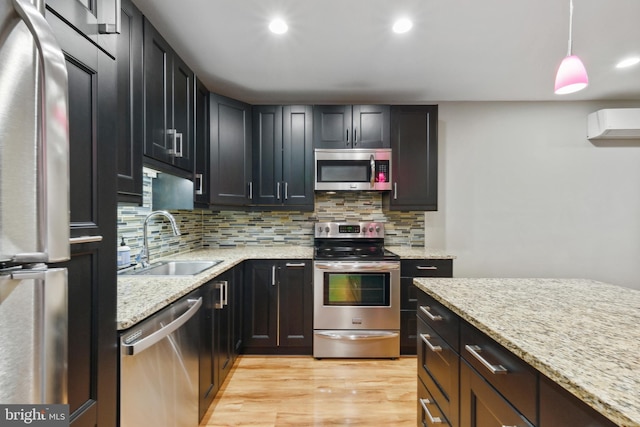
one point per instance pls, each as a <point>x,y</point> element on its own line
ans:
<point>349,229</point>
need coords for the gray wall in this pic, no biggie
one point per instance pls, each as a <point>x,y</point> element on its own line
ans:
<point>523,193</point>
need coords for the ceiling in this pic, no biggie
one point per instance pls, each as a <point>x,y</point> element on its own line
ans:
<point>343,51</point>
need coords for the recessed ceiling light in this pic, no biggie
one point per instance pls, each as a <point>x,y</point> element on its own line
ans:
<point>628,62</point>
<point>402,25</point>
<point>278,26</point>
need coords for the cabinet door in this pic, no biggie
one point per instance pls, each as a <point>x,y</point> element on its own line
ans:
<point>260,305</point>
<point>208,375</point>
<point>157,92</point>
<point>559,408</point>
<point>482,406</point>
<point>130,104</point>
<point>414,140</point>
<point>230,127</point>
<point>268,188</point>
<point>182,124</point>
<point>202,169</point>
<point>223,350</point>
<point>332,126</point>
<point>297,152</point>
<point>371,126</point>
<point>89,18</point>
<point>92,352</point>
<point>295,304</point>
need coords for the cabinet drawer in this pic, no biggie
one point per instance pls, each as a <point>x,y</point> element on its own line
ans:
<point>510,375</point>
<point>481,405</point>
<point>438,369</point>
<point>426,268</point>
<point>440,318</point>
<point>429,413</point>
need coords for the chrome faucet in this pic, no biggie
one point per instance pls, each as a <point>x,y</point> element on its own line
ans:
<point>145,259</point>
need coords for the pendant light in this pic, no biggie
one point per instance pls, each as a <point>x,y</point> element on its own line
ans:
<point>571,76</point>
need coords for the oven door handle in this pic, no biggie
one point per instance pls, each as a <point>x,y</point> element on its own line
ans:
<point>355,336</point>
<point>381,266</point>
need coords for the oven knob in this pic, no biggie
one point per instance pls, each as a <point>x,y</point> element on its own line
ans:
<point>377,229</point>
<point>370,229</point>
<point>326,229</point>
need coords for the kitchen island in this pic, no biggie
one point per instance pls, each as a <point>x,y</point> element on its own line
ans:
<point>583,335</point>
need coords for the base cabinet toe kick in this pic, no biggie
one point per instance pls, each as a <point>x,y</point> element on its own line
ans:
<point>467,379</point>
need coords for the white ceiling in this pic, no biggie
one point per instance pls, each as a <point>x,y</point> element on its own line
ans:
<point>343,51</point>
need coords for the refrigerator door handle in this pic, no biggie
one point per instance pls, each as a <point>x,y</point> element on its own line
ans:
<point>53,148</point>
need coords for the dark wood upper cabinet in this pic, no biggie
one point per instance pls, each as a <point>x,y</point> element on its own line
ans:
<point>283,156</point>
<point>168,86</point>
<point>201,137</point>
<point>414,141</point>
<point>230,152</point>
<point>130,104</point>
<point>347,126</point>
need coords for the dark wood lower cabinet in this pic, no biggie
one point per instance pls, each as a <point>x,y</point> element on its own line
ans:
<point>410,268</point>
<point>560,409</point>
<point>93,348</point>
<point>482,406</point>
<point>278,307</point>
<point>517,396</point>
<point>218,341</point>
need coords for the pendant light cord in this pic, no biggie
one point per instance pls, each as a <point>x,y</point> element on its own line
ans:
<point>570,25</point>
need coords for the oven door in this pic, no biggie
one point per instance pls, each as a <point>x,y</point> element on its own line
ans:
<point>361,295</point>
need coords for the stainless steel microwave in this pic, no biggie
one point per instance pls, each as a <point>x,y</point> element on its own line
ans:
<point>353,169</point>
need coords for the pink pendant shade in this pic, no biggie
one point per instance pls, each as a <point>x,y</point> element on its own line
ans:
<point>571,76</point>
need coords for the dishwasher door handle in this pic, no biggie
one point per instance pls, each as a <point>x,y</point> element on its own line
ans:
<point>160,334</point>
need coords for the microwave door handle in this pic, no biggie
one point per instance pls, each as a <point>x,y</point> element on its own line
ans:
<point>373,170</point>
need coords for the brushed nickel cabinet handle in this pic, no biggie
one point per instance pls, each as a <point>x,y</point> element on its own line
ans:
<point>278,190</point>
<point>426,267</point>
<point>84,239</point>
<point>395,190</point>
<point>425,309</point>
<point>434,420</point>
<point>425,338</point>
<point>475,352</point>
<point>296,264</point>
<point>198,179</point>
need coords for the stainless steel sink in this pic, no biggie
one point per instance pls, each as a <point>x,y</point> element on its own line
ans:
<point>173,268</point>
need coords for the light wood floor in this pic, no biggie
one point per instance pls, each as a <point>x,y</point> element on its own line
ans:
<point>302,391</point>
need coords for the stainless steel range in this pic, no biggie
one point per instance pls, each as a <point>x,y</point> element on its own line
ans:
<point>356,288</point>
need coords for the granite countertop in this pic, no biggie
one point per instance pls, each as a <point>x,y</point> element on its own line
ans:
<point>419,252</point>
<point>582,334</point>
<point>141,296</point>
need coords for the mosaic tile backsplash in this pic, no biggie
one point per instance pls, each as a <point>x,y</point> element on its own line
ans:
<point>203,228</point>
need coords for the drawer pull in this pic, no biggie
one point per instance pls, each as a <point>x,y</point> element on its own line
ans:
<point>475,352</point>
<point>427,267</point>
<point>426,338</point>
<point>434,420</point>
<point>425,309</point>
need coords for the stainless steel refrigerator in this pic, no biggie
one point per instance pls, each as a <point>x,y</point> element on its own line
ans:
<point>34,207</point>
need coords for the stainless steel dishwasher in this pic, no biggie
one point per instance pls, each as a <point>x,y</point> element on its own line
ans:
<point>159,368</point>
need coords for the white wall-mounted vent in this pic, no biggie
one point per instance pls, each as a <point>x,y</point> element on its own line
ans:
<point>614,123</point>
